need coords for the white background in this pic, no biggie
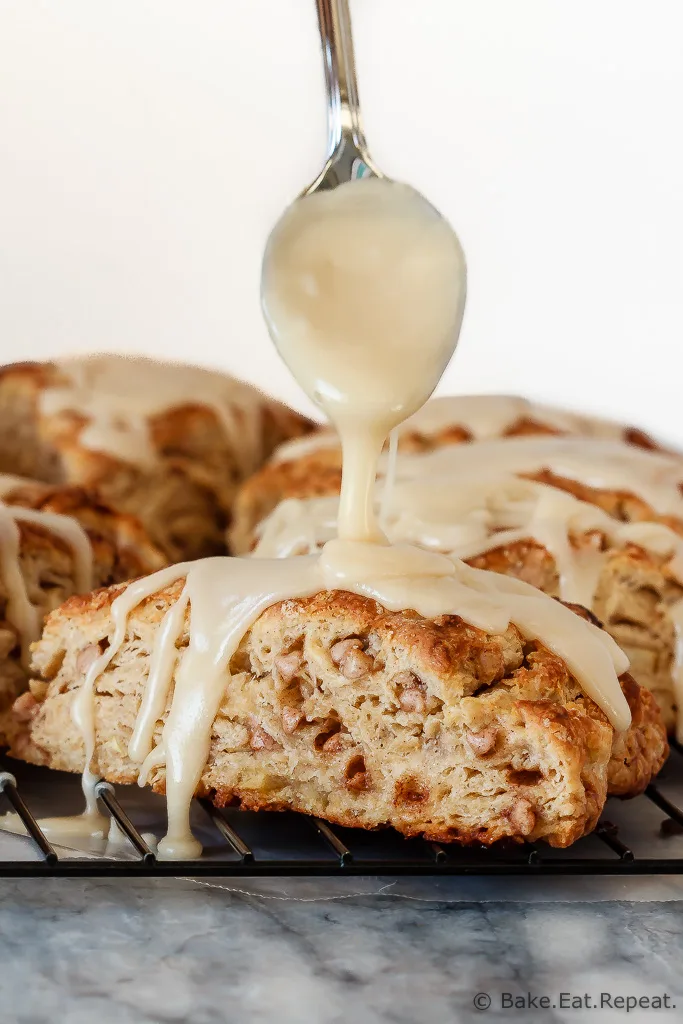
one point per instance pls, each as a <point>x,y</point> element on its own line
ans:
<point>146,147</point>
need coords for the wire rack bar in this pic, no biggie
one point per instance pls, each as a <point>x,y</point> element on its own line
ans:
<point>658,798</point>
<point>342,851</point>
<point>70,868</point>
<point>608,833</point>
<point>227,831</point>
<point>8,786</point>
<point>105,792</point>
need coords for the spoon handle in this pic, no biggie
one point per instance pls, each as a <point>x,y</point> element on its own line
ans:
<point>334,20</point>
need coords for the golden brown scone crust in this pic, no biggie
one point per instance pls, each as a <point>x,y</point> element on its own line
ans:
<point>184,499</point>
<point>640,752</point>
<point>633,599</point>
<point>338,708</point>
<point>635,592</point>
<point>121,550</point>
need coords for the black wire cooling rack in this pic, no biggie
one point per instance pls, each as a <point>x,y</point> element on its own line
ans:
<point>643,836</point>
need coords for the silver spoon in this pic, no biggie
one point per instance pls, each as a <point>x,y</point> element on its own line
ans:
<point>347,152</point>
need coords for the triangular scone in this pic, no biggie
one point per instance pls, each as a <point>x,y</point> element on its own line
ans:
<point>166,442</point>
<point>312,466</point>
<point>338,708</point>
<point>54,542</point>
<point>617,520</point>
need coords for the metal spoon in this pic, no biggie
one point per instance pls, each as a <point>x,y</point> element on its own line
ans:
<point>347,153</point>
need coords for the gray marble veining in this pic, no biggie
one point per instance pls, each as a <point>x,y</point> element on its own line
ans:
<point>143,951</point>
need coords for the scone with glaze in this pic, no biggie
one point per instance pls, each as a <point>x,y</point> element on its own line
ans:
<point>167,443</point>
<point>595,520</point>
<point>55,542</point>
<point>335,707</point>
<point>312,465</point>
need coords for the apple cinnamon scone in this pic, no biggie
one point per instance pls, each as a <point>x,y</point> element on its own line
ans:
<point>165,442</point>
<point>311,466</point>
<point>333,706</point>
<point>55,542</point>
<point>594,520</point>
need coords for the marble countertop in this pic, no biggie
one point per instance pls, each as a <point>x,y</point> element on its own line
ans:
<point>164,950</point>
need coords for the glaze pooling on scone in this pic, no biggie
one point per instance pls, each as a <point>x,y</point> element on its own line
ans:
<point>55,542</point>
<point>118,396</point>
<point>22,614</point>
<point>363,290</point>
<point>477,518</point>
<point>464,500</point>
<point>164,442</point>
<point>481,417</point>
<point>486,417</point>
<point>654,476</point>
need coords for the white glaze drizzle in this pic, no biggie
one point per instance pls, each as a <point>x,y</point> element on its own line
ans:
<point>464,501</point>
<point>484,417</point>
<point>26,619</point>
<point>226,595</point>
<point>118,395</point>
<point>495,517</point>
<point>21,613</point>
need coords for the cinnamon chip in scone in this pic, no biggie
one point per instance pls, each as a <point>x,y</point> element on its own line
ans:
<point>503,743</point>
